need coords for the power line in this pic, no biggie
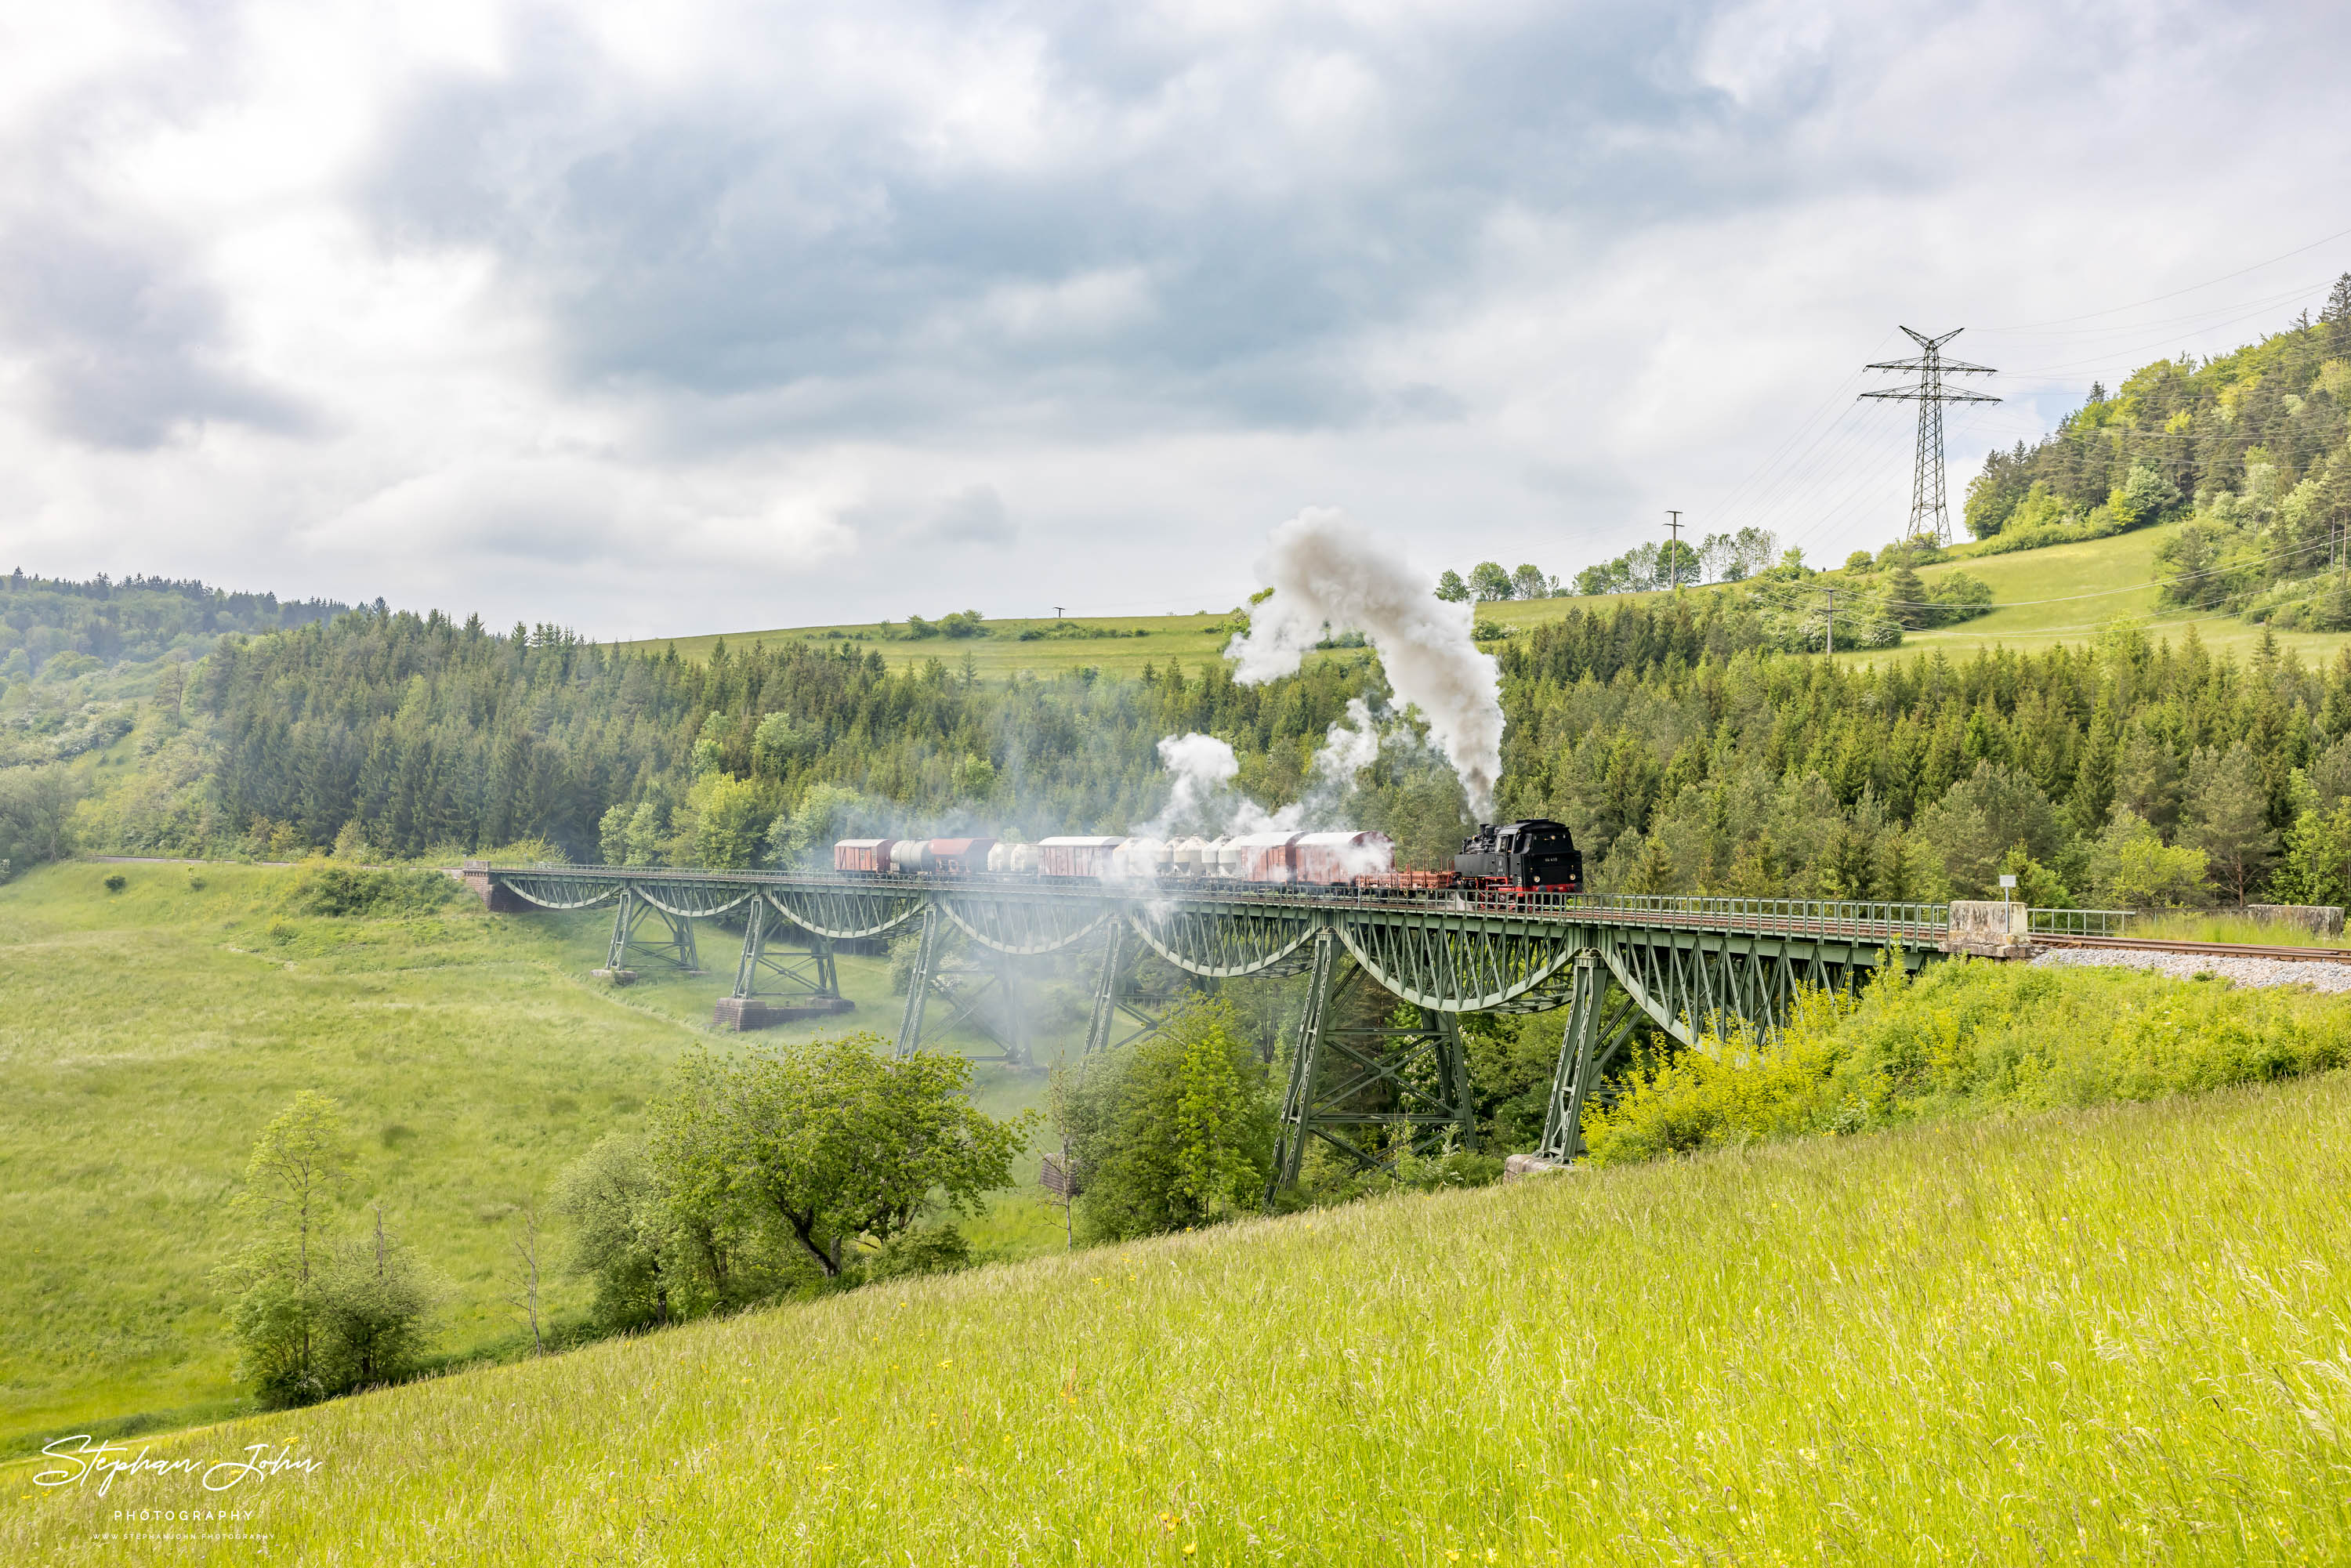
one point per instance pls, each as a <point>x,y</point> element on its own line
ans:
<point>2176,293</point>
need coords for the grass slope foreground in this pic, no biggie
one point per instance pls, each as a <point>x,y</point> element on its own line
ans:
<point>2108,1336</point>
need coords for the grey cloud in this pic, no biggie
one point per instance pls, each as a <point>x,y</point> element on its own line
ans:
<point>124,344</point>
<point>976,516</point>
<point>727,247</point>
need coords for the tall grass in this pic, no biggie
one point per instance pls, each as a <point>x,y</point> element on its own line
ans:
<point>2190,926</point>
<point>2104,1337</point>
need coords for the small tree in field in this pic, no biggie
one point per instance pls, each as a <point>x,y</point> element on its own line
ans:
<point>312,1319</point>
<point>373,1307</point>
<point>297,1173</point>
<point>840,1140</point>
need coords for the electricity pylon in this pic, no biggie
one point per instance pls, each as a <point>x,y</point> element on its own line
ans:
<point>1930,517</point>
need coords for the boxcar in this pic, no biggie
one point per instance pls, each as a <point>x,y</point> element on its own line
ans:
<point>1075,857</point>
<point>869,855</point>
<point>1324,859</point>
<point>1266,857</point>
<point>960,857</point>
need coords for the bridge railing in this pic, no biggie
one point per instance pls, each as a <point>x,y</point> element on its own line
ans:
<point>2079,921</point>
<point>1857,916</point>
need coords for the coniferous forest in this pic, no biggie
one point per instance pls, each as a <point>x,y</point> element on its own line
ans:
<point>1686,754</point>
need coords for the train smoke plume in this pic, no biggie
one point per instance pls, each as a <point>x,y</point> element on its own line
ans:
<point>1202,799</point>
<point>1325,571</point>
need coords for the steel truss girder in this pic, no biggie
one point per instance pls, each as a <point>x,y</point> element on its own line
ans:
<point>1463,965</point>
<point>847,913</point>
<point>562,892</point>
<point>676,950</point>
<point>1225,944</point>
<point>812,974</point>
<point>1023,927</point>
<point>1420,1070</point>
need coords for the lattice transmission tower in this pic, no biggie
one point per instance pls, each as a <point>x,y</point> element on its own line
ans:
<point>1930,517</point>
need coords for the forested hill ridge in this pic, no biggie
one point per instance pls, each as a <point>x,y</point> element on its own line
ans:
<point>1686,752</point>
<point>1694,743</point>
<point>61,628</point>
<point>2251,451</point>
<point>2201,428</point>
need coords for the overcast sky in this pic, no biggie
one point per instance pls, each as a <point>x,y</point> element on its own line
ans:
<point>659,319</point>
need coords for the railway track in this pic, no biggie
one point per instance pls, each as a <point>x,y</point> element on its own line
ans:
<point>2212,949</point>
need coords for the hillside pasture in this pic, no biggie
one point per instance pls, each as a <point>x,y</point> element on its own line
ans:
<point>2091,1336</point>
<point>150,1033</point>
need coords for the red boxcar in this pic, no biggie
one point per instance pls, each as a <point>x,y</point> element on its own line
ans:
<point>862,854</point>
<point>1327,859</point>
<point>1075,857</point>
<point>960,857</point>
<point>1266,857</point>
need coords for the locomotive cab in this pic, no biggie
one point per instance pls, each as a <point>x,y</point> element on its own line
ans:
<point>1530,856</point>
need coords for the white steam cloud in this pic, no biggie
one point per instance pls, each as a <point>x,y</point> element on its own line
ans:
<point>1325,571</point>
<point>1202,799</point>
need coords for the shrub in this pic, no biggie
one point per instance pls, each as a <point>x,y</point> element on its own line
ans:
<point>934,1250</point>
<point>116,882</point>
<point>373,1307</point>
<point>626,1238</point>
<point>1967,1036</point>
<point>343,891</point>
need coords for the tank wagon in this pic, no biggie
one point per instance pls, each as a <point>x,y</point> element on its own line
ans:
<point>1532,856</point>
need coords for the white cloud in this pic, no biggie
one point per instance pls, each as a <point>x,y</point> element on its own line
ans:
<point>734,315</point>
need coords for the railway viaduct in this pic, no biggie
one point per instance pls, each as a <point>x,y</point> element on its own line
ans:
<point>1618,965</point>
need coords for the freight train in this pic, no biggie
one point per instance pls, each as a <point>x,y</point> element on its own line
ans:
<point>1537,855</point>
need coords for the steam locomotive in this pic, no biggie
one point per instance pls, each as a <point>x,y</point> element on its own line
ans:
<point>1537,855</point>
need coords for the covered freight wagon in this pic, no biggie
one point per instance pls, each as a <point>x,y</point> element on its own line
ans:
<point>961,857</point>
<point>1325,859</point>
<point>869,855</point>
<point>1265,857</point>
<point>1076,857</point>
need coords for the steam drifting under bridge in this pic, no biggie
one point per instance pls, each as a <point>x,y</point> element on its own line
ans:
<point>1617,963</point>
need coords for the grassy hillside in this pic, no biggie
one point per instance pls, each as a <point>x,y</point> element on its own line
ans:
<point>2060,594</point>
<point>149,1034</point>
<point>1107,644</point>
<point>2064,593</point>
<point>2111,1337</point>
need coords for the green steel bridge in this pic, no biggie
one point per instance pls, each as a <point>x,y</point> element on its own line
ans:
<point>1618,963</point>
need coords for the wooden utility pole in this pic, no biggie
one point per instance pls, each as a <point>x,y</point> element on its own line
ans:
<point>1831,638</point>
<point>1676,527</point>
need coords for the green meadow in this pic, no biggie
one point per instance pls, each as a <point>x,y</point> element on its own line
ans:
<point>2061,593</point>
<point>149,1034</point>
<point>2112,1335</point>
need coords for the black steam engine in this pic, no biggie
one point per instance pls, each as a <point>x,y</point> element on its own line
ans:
<point>1528,856</point>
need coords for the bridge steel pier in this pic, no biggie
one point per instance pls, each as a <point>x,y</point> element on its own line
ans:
<point>1685,967</point>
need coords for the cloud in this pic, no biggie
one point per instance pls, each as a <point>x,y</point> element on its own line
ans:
<point>742,315</point>
<point>976,516</point>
